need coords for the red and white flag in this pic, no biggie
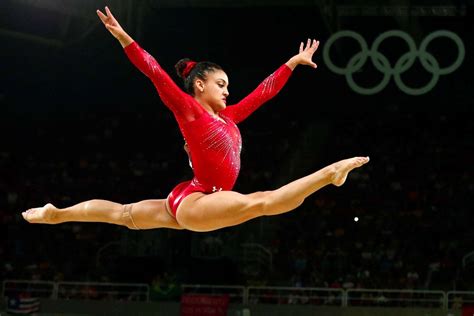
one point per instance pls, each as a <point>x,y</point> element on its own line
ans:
<point>23,305</point>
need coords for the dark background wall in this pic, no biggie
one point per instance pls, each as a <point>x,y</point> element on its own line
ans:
<point>78,121</point>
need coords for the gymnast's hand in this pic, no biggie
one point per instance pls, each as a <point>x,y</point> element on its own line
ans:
<point>114,27</point>
<point>305,55</point>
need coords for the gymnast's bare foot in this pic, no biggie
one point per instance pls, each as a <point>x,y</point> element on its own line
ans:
<point>343,167</point>
<point>41,215</point>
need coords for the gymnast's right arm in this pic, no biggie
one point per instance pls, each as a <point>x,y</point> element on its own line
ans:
<point>172,96</point>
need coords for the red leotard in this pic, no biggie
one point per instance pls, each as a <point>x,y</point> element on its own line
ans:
<point>214,146</point>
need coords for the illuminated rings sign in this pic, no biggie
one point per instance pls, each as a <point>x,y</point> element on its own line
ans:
<point>382,64</point>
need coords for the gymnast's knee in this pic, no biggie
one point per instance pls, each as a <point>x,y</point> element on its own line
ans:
<point>258,203</point>
<point>270,203</point>
<point>127,217</point>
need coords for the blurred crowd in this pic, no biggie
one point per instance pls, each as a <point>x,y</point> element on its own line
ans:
<point>402,221</point>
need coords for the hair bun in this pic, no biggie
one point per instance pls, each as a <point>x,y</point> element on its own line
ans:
<point>184,67</point>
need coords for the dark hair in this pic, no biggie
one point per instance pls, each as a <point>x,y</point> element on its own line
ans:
<point>189,71</point>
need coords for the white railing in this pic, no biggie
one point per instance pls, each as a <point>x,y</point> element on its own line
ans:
<point>77,290</point>
<point>103,291</point>
<point>245,295</point>
<point>396,298</point>
<point>42,289</point>
<point>291,295</point>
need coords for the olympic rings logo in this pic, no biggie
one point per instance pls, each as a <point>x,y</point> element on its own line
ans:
<point>381,63</point>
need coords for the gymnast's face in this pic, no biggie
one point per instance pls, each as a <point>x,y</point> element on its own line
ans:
<point>214,90</point>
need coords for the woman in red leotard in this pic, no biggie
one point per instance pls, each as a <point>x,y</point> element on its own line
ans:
<point>213,143</point>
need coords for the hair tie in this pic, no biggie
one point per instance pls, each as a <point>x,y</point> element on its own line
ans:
<point>189,66</point>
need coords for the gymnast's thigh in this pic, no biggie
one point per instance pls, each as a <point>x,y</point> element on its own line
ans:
<point>199,211</point>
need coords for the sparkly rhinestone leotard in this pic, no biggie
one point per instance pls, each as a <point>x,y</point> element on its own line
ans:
<point>214,145</point>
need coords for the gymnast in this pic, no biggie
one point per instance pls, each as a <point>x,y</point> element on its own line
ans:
<point>213,143</point>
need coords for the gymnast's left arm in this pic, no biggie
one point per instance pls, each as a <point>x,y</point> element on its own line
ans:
<point>305,55</point>
<point>272,84</point>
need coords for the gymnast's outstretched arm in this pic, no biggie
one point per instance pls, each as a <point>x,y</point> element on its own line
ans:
<point>273,83</point>
<point>179,102</point>
<point>114,27</point>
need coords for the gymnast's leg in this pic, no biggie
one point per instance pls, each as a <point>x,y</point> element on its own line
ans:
<point>147,214</point>
<point>206,212</point>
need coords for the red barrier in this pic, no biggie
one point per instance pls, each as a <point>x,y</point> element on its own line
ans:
<point>468,311</point>
<point>204,305</point>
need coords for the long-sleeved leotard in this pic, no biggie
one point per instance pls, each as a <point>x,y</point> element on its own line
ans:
<point>214,145</point>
